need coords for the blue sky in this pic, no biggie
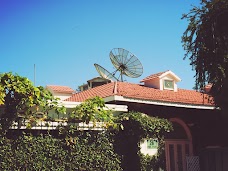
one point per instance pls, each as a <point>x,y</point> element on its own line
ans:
<point>65,38</point>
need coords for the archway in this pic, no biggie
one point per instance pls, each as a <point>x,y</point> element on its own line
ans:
<point>178,145</point>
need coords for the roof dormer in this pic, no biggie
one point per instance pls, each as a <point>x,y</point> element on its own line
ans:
<point>163,81</point>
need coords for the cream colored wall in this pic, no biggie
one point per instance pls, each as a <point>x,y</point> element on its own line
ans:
<point>144,150</point>
<point>62,96</point>
<point>154,83</point>
<point>158,83</point>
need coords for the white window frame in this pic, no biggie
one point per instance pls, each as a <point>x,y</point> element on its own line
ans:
<point>165,88</point>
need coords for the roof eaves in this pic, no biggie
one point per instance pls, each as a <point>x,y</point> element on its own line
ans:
<point>162,103</point>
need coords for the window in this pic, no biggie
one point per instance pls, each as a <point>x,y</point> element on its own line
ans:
<point>169,84</point>
<point>152,144</point>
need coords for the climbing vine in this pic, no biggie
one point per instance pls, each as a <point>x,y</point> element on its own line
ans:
<point>134,127</point>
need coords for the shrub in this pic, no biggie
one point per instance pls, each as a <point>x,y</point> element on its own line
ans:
<point>134,127</point>
<point>88,151</point>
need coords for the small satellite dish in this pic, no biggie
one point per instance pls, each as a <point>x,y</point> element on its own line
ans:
<point>125,63</point>
<point>104,73</point>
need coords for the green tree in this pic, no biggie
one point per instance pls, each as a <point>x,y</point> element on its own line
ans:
<point>93,110</point>
<point>206,43</point>
<point>21,98</point>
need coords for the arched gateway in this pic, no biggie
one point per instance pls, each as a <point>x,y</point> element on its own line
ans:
<point>178,145</point>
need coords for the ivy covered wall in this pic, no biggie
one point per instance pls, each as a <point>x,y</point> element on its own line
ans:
<point>88,151</point>
<point>113,149</point>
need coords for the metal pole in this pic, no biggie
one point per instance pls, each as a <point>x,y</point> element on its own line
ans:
<point>34,74</point>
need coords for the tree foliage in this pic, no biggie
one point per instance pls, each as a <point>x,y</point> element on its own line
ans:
<point>92,110</point>
<point>21,98</point>
<point>206,43</point>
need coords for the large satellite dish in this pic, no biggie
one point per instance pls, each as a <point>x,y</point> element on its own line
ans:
<point>124,62</point>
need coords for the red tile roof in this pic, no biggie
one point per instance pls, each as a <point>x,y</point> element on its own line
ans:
<point>102,91</point>
<point>142,92</point>
<point>60,89</point>
<point>153,76</point>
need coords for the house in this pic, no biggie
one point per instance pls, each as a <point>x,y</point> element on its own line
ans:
<point>97,81</point>
<point>65,92</point>
<point>196,121</point>
<point>61,92</point>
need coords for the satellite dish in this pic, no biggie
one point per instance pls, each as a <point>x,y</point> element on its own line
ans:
<point>126,63</point>
<point>104,73</point>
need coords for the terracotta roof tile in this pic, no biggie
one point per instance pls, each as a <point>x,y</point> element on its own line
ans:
<point>60,89</point>
<point>102,91</point>
<point>137,91</point>
<point>153,76</point>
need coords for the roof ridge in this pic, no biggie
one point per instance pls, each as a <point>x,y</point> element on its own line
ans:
<point>115,89</point>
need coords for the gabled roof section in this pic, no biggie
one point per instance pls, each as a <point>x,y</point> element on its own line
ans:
<point>102,91</point>
<point>60,89</point>
<point>140,92</point>
<point>161,75</point>
<point>153,76</point>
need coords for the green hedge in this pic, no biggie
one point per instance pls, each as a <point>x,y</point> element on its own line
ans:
<point>113,150</point>
<point>88,151</point>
